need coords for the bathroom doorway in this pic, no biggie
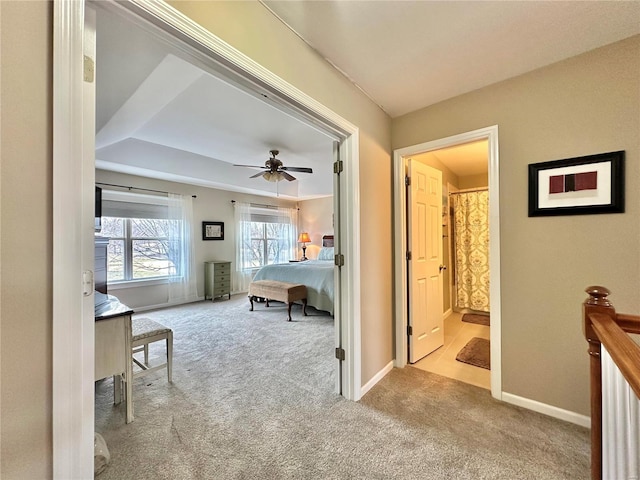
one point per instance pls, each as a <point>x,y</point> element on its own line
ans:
<point>465,353</point>
<point>469,313</point>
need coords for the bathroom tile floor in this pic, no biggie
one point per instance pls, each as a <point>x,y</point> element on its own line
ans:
<point>443,361</point>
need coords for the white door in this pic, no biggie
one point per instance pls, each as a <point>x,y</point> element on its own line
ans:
<point>424,201</point>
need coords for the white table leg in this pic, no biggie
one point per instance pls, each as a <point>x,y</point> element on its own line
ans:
<point>129,370</point>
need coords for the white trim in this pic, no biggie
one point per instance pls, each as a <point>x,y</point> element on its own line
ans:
<point>165,305</point>
<point>550,410</point>
<point>350,280</point>
<point>400,240</point>
<point>137,283</point>
<point>376,378</point>
<point>72,354</point>
<point>72,397</point>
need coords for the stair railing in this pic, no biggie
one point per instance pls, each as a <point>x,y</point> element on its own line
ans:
<point>614,366</point>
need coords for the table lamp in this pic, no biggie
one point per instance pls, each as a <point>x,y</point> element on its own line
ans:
<point>304,239</point>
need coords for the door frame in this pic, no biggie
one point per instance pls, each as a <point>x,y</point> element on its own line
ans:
<point>450,259</point>
<point>73,327</point>
<point>400,244</point>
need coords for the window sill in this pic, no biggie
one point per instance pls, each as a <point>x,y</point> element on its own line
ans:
<point>137,283</point>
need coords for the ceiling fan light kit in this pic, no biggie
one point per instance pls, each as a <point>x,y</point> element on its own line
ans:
<point>275,170</point>
<point>273,177</point>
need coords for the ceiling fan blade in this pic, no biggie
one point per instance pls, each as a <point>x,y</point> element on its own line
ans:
<point>298,169</point>
<point>250,166</point>
<point>259,174</point>
<point>288,177</point>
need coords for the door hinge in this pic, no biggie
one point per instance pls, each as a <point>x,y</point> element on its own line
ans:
<point>338,167</point>
<point>409,330</point>
<point>408,255</point>
<point>340,354</point>
<point>407,180</point>
<point>339,260</point>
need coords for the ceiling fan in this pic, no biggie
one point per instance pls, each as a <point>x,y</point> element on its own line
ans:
<point>275,170</point>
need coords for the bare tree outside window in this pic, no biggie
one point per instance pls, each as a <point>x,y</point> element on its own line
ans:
<point>267,244</point>
<point>141,248</point>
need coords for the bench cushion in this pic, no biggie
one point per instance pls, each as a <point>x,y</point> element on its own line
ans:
<point>275,290</point>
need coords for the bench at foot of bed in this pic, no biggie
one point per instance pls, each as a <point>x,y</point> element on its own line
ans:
<point>279,291</point>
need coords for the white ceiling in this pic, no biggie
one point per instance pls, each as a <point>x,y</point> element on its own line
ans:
<point>407,55</point>
<point>161,117</point>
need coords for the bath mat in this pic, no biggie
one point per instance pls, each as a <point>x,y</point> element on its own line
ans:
<point>478,318</point>
<point>476,352</point>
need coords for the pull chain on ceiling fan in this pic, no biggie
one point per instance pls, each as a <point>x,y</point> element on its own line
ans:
<point>275,170</point>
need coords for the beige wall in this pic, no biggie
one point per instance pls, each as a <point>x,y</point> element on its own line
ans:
<point>26,186</point>
<point>25,239</point>
<point>242,25</point>
<point>585,105</point>
<point>316,218</point>
<point>473,181</point>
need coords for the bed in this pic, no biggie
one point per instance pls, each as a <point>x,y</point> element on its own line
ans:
<point>316,275</point>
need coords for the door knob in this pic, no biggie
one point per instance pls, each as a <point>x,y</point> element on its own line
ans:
<point>443,267</point>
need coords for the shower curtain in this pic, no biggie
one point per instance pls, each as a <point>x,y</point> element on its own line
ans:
<point>471,249</point>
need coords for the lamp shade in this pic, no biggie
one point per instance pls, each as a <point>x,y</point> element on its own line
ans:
<point>304,238</point>
<point>272,177</point>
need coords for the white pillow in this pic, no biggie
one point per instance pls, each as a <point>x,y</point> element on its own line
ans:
<point>325,253</point>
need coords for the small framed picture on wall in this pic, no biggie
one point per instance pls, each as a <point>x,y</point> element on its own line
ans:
<point>212,230</point>
<point>575,186</point>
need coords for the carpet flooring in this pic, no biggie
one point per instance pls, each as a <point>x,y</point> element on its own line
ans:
<point>476,352</point>
<point>252,398</point>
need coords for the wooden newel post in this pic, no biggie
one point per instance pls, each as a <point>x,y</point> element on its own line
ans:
<point>596,303</point>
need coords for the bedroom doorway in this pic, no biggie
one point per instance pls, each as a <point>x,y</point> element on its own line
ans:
<point>73,347</point>
<point>401,158</point>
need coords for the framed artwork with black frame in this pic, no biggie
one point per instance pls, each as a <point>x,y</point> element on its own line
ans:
<point>577,186</point>
<point>212,230</point>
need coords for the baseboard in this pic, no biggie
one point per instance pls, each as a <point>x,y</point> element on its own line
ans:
<point>376,378</point>
<point>550,410</point>
<point>164,305</point>
<point>447,313</point>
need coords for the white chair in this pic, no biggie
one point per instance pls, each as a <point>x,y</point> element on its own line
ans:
<point>146,331</point>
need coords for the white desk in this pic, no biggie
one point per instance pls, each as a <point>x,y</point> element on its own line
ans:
<point>113,349</point>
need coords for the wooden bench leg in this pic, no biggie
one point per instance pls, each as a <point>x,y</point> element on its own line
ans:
<point>251,298</point>
<point>304,306</point>
<point>289,311</point>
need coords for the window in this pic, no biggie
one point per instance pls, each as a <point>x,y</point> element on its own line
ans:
<point>268,242</point>
<point>264,235</point>
<point>149,236</point>
<point>140,248</point>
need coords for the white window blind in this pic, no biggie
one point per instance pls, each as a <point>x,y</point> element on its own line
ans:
<point>133,205</point>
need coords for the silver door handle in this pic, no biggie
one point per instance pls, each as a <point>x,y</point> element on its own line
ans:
<point>443,267</point>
